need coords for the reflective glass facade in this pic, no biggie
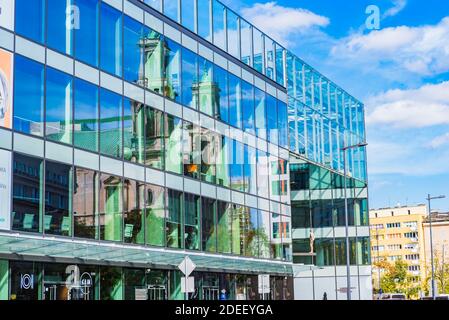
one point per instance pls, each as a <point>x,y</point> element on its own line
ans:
<point>166,125</point>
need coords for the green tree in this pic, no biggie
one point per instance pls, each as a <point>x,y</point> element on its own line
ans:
<point>396,279</point>
<point>441,273</point>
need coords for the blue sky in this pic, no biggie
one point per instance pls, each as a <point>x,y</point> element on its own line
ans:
<point>400,72</point>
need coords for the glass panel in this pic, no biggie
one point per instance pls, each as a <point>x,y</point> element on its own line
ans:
<point>133,34</point>
<point>188,14</point>
<point>155,215</point>
<point>246,42</point>
<point>208,225</point>
<point>28,91</point>
<point>156,4</point>
<point>251,237</point>
<point>274,178</point>
<point>172,86</point>
<point>222,100</point>
<point>30,19</point>
<point>58,206</point>
<point>209,142</point>
<point>19,269</point>
<point>111,208</point>
<point>233,34</point>
<point>154,138</point>
<point>134,282</point>
<point>204,23</point>
<point>86,115</point>
<point>134,135</point>
<point>134,194</point>
<point>111,40</point>
<point>223,160</point>
<point>219,25</point>
<point>60,25</point>
<point>191,150</point>
<point>237,226</point>
<point>269,58</point>
<point>86,36</point>
<point>260,113</point>
<point>282,124</point>
<point>173,146</point>
<point>189,79</point>
<point>258,46</point>
<point>58,113</point>
<point>264,234</point>
<point>272,119</point>
<point>279,64</point>
<point>235,108</point>
<point>207,92</point>
<point>224,227</point>
<point>173,220</point>
<point>248,112</point>
<point>111,284</point>
<point>236,165</point>
<point>192,221</point>
<point>250,166</point>
<point>27,193</point>
<point>262,174</point>
<point>153,60</point>
<point>171,9</point>
<point>85,195</point>
<point>110,123</point>
<point>276,236</point>
<point>286,238</point>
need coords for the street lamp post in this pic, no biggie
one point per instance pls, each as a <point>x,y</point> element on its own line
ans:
<point>348,271</point>
<point>429,198</point>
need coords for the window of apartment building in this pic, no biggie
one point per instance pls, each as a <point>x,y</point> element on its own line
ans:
<point>30,19</point>
<point>411,235</point>
<point>155,212</point>
<point>59,37</point>
<point>282,124</point>
<point>219,30</point>
<point>251,237</point>
<point>394,236</point>
<point>249,168</point>
<point>378,248</point>
<point>209,152</point>
<point>206,91</point>
<point>412,256</point>
<point>221,95</point>
<point>235,101</point>
<point>172,70</point>
<point>236,165</point>
<point>245,42</point>
<point>189,68</point>
<point>394,258</point>
<point>233,33</point>
<point>263,183</point>
<point>258,51</point>
<point>393,225</point>
<point>173,219</point>
<point>191,144</point>
<point>410,224</point>
<point>414,268</point>
<point>237,225</point>
<point>133,43</point>
<point>264,235</point>
<point>272,119</point>
<point>188,8</point>
<point>173,149</point>
<point>28,91</point>
<point>410,246</point>
<point>260,113</point>
<point>248,110</point>
<point>394,247</point>
<point>204,23</point>
<point>223,159</point>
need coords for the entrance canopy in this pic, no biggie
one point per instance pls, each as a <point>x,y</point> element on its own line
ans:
<point>25,246</point>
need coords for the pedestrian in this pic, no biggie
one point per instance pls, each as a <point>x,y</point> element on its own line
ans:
<point>325,296</point>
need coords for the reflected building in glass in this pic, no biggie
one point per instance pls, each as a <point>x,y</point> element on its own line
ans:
<point>149,131</point>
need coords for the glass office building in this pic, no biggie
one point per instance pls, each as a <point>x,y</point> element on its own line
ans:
<point>136,133</point>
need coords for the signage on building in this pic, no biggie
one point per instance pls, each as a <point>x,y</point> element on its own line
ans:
<point>187,283</point>
<point>27,281</point>
<point>7,14</point>
<point>6,83</point>
<point>5,190</point>
<point>141,294</point>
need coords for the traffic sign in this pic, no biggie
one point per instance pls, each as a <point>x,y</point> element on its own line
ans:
<point>187,266</point>
<point>187,284</point>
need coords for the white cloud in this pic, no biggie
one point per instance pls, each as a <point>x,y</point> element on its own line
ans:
<point>282,22</point>
<point>440,141</point>
<point>398,6</point>
<point>422,50</point>
<point>414,108</point>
